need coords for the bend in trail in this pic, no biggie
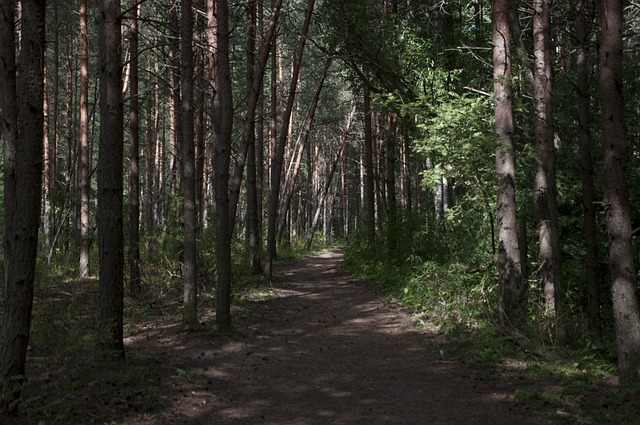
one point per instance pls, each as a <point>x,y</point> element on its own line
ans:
<point>325,348</point>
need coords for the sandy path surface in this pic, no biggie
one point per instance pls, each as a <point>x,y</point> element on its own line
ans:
<point>324,348</point>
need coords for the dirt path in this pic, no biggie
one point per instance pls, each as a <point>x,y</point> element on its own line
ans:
<point>323,348</point>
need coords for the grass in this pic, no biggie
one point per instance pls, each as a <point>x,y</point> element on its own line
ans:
<point>576,385</point>
<point>68,379</point>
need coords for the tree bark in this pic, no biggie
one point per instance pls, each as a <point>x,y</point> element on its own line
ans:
<point>390,183</point>
<point>616,191</point>
<point>586,165</point>
<point>150,159</point>
<point>252,101</point>
<point>22,130</point>
<point>175,124</point>
<point>134,161</point>
<point>369,183</point>
<point>325,193</point>
<point>110,180</point>
<point>9,122</point>
<point>509,267</point>
<point>276,166</point>
<point>222,127</point>
<point>545,196</point>
<point>189,271</point>
<point>252,235</point>
<point>304,138</point>
<point>83,175</point>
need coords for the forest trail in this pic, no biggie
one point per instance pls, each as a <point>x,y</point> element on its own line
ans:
<point>323,348</point>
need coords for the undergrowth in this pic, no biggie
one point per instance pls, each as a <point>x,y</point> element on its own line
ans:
<point>458,293</point>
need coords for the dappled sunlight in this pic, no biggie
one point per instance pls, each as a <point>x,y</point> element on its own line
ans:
<point>321,348</point>
<point>328,349</point>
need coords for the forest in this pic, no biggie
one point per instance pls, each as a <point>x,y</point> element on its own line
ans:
<point>478,162</point>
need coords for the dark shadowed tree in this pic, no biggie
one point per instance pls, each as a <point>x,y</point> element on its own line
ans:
<point>22,112</point>
<point>134,160</point>
<point>218,18</point>
<point>190,302</point>
<point>586,166</point>
<point>110,180</point>
<point>616,191</point>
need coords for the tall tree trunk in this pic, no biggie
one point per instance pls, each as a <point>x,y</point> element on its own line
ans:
<point>325,193</point>
<point>9,126</point>
<point>304,138</point>
<point>160,158</point>
<point>189,272</point>
<point>545,197</point>
<point>369,183</point>
<point>69,176</point>
<point>260,139</point>
<point>150,159</point>
<point>46,175</point>
<point>586,165</point>
<point>276,166</point>
<point>84,173</point>
<point>201,151</point>
<point>175,124</point>
<point>344,199</point>
<point>509,268</point>
<point>253,241</point>
<point>406,171</point>
<point>253,94</point>
<point>223,125</point>
<point>51,162</point>
<point>616,191</point>
<point>22,102</point>
<point>110,180</point>
<point>390,183</point>
<point>134,161</point>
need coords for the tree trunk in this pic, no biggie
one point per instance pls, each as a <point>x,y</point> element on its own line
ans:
<point>189,272</point>
<point>616,191</point>
<point>276,166</point>
<point>175,124</point>
<point>51,154</point>
<point>9,123</point>
<point>390,183</point>
<point>134,161</point>
<point>46,175</point>
<point>253,235</point>
<point>304,138</point>
<point>252,101</point>
<point>509,267</point>
<point>325,193</point>
<point>586,165</point>
<point>110,180</point>
<point>260,133</point>
<point>150,159</point>
<point>369,183</point>
<point>545,196</point>
<point>222,127</point>
<point>22,102</point>
<point>84,177</point>
<point>69,176</point>
<point>201,152</point>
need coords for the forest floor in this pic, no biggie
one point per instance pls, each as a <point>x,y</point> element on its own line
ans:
<point>315,346</point>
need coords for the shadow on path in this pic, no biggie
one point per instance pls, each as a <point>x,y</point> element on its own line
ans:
<point>323,348</point>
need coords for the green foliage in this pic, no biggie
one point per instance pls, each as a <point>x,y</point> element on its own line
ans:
<point>458,135</point>
<point>430,280</point>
